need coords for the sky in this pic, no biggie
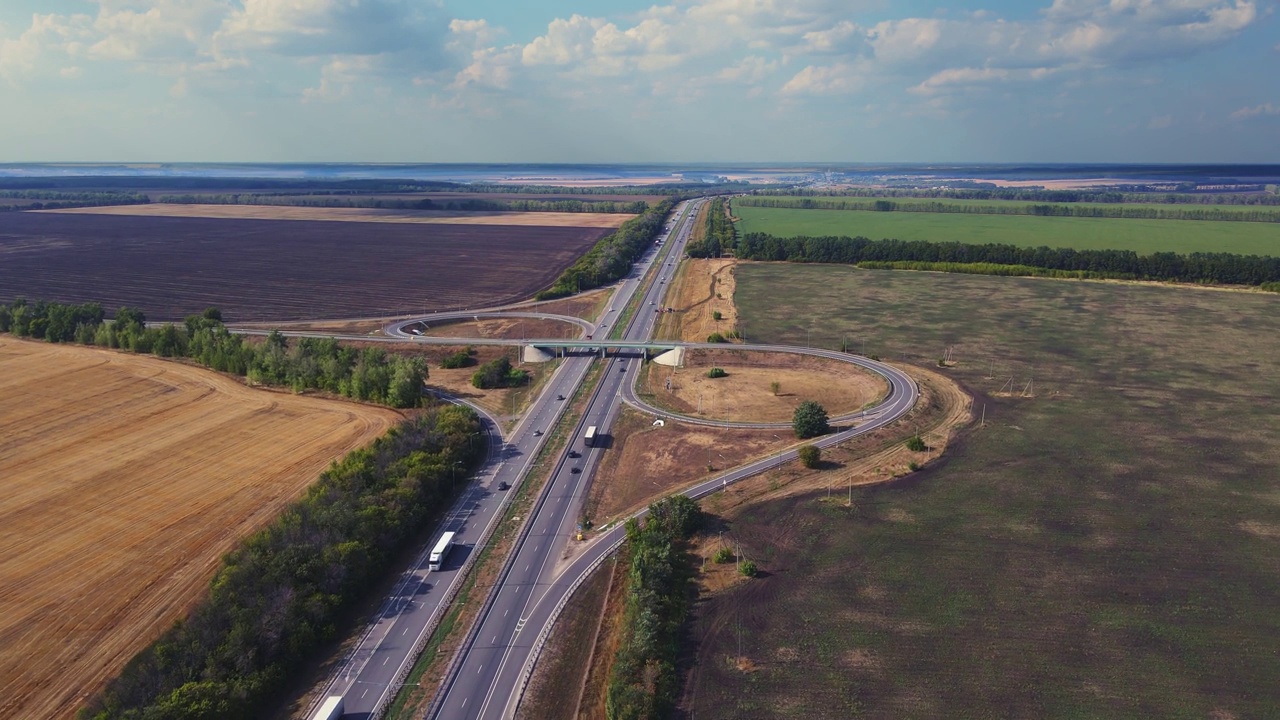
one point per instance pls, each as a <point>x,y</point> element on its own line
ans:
<point>629,81</point>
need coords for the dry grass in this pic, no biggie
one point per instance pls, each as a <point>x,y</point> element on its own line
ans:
<point>701,288</point>
<point>647,462</point>
<point>126,478</point>
<point>364,215</point>
<point>746,395</point>
<point>507,329</point>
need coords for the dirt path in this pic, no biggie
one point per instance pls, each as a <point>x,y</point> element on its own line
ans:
<point>701,289</point>
<point>126,478</point>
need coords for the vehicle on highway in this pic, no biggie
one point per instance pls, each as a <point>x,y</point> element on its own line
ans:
<point>575,470</point>
<point>503,485</point>
<point>575,454</point>
<point>537,433</point>
<point>441,551</point>
<point>589,438</point>
<point>559,397</point>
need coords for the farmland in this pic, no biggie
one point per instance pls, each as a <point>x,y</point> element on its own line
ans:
<point>1103,546</point>
<point>126,479</point>
<point>278,269</point>
<point>363,215</point>
<point>1141,236</point>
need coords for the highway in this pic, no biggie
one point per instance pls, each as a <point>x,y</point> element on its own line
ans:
<point>488,677</point>
<point>370,675</point>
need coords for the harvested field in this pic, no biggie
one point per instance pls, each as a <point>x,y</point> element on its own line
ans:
<point>701,289</point>
<point>360,215</point>
<point>746,394</point>
<point>278,269</point>
<point>126,479</point>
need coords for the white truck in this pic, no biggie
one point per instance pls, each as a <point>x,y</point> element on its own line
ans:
<point>330,709</point>
<point>441,551</point>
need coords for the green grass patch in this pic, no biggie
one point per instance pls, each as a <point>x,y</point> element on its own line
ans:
<point>1106,548</point>
<point>1141,236</point>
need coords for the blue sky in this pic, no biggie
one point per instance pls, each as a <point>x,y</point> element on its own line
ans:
<point>636,81</point>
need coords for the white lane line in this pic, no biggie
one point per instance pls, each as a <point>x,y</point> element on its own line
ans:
<point>479,669</point>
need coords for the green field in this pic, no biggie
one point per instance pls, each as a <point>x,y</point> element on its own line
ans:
<point>1142,236</point>
<point>1107,549</point>
<point>956,202</point>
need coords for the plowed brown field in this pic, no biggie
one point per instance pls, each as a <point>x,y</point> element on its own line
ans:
<point>125,479</point>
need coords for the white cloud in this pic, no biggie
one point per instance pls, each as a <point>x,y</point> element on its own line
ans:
<point>566,41</point>
<point>750,70</point>
<point>1160,122</point>
<point>838,79</point>
<point>1255,111</point>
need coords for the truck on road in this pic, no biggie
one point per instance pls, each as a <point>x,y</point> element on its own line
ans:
<point>441,551</point>
<point>330,709</point>
<point>589,439</point>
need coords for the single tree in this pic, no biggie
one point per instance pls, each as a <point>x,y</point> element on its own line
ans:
<point>775,387</point>
<point>747,568</point>
<point>810,455</point>
<point>810,420</point>
<point>915,443</point>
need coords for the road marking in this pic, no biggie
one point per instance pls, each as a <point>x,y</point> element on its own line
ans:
<point>366,692</point>
<point>464,703</point>
<point>479,669</point>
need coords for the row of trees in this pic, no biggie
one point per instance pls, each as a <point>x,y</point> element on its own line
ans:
<point>612,257</point>
<point>369,374</point>
<point>720,234</point>
<point>1036,195</point>
<point>285,591</point>
<point>1262,214</point>
<point>465,205</point>
<point>1224,268</point>
<point>643,682</point>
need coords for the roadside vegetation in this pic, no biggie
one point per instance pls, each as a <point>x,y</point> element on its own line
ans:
<point>1200,267</point>
<point>613,256</point>
<point>643,681</point>
<point>370,374</point>
<point>286,590</point>
<point>718,233</point>
<point>1101,543</point>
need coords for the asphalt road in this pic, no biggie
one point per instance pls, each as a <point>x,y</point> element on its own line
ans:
<point>492,661</point>
<point>497,658</point>
<point>370,675</point>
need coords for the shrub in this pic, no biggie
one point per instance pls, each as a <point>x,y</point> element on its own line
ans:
<point>716,338</point>
<point>915,443</point>
<point>716,372</point>
<point>810,456</point>
<point>810,420</point>
<point>913,466</point>
<point>460,359</point>
<point>775,387</point>
<point>715,315</point>
<point>498,373</point>
<point>748,568</point>
<point>723,555</point>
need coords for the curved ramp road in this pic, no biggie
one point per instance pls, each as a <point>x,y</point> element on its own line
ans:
<point>487,679</point>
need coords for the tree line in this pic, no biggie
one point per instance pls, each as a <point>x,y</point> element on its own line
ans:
<point>370,374</point>
<point>1037,195</point>
<point>643,683</point>
<point>612,257</point>
<point>720,234</point>
<point>289,589</point>
<point>1037,209</point>
<point>1219,268</point>
<point>467,205</point>
<point>54,200</point>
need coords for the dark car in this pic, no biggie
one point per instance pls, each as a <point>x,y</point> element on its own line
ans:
<point>503,485</point>
<point>559,397</point>
<point>575,454</point>
<point>575,470</point>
